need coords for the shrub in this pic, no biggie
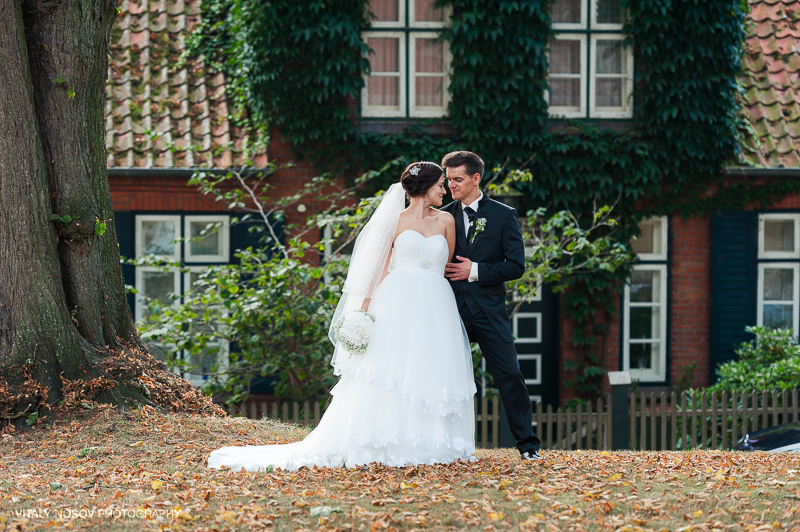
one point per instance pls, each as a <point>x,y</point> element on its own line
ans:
<point>771,361</point>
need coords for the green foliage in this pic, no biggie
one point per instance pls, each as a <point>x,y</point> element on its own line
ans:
<point>274,310</point>
<point>771,361</point>
<point>299,66</point>
<point>499,76</point>
<point>293,65</point>
<point>562,246</point>
<point>274,305</point>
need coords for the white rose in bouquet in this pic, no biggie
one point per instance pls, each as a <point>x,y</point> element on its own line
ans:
<point>353,331</point>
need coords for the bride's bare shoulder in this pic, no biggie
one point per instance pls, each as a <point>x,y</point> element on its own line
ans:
<point>445,218</point>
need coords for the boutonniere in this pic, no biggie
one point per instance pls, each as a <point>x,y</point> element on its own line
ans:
<point>480,225</point>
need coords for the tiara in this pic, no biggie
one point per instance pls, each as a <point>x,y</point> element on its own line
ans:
<point>414,170</point>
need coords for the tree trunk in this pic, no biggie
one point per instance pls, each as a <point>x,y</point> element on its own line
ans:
<point>62,299</point>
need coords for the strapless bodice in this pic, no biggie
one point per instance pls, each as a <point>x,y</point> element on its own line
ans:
<point>413,251</point>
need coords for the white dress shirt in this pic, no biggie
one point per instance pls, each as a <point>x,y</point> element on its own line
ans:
<point>473,272</point>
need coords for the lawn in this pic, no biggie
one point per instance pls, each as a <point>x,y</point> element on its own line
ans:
<point>105,469</point>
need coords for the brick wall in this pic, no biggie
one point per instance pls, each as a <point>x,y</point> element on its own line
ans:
<point>690,293</point>
<point>173,193</point>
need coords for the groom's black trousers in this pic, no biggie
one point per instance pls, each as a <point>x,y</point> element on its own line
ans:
<point>502,364</point>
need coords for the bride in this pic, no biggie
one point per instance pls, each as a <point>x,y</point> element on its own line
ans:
<point>408,399</point>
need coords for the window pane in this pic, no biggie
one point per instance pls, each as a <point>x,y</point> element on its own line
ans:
<point>645,286</point>
<point>565,92</point>
<point>429,55</point>
<point>779,235</point>
<point>385,10</point>
<point>209,244</point>
<point>566,11</point>
<point>645,322</point>
<point>778,284</point>
<point>205,362</point>
<point>158,237</point>
<point>565,57</point>
<point>429,92</point>
<point>641,356</point>
<point>608,93</point>
<point>650,240</point>
<point>778,315</point>
<point>158,285</point>
<point>609,12</point>
<point>427,11</point>
<point>609,57</point>
<point>383,90</point>
<point>387,54</point>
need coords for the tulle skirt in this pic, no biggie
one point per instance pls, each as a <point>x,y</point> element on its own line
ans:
<point>408,400</point>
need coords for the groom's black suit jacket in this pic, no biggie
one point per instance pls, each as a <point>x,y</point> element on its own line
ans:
<point>500,253</point>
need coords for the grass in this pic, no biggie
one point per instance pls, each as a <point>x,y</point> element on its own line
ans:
<point>105,469</point>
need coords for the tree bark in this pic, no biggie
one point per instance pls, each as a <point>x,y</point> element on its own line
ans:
<point>62,298</point>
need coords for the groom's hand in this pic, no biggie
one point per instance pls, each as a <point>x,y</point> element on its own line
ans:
<point>458,271</point>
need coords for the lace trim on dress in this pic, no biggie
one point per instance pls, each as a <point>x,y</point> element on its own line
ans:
<point>450,402</point>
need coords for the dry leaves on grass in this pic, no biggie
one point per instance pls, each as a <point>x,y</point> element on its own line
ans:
<point>143,469</point>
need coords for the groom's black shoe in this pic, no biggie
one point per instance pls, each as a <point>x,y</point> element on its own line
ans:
<point>531,455</point>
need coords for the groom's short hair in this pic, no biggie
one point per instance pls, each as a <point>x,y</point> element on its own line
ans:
<point>471,161</point>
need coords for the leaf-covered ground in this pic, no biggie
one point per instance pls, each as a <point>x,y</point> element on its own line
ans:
<point>103,469</point>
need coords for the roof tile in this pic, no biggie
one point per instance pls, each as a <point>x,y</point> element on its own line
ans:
<point>156,113</point>
<point>771,62</point>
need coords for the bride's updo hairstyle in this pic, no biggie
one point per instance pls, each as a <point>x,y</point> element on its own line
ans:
<point>418,177</point>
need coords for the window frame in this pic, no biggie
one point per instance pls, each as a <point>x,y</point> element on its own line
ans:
<point>399,23</point>
<point>139,244</point>
<point>795,268</point>
<point>536,358</point>
<point>385,111</point>
<point>563,111</point>
<point>407,30</point>
<point>626,110</point>
<point>592,31</point>
<point>429,112</point>
<point>182,274</point>
<point>140,304</point>
<point>198,379</point>
<point>224,237</point>
<point>664,235</point>
<point>652,375</point>
<point>763,218</point>
<point>527,339</point>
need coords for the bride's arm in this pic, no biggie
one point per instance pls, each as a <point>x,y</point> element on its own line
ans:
<point>365,304</point>
<point>449,233</point>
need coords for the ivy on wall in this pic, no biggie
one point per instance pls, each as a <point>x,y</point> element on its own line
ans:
<point>298,66</point>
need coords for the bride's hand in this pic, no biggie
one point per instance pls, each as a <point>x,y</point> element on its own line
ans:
<point>365,304</point>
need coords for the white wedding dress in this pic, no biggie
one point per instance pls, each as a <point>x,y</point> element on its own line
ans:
<point>409,399</point>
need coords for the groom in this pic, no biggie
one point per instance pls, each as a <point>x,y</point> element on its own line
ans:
<point>489,251</point>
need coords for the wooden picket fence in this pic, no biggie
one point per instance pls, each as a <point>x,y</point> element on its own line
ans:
<point>675,421</point>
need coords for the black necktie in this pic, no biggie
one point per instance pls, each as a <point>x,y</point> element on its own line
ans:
<point>471,229</point>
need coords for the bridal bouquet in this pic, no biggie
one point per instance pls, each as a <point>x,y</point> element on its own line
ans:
<point>353,331</point>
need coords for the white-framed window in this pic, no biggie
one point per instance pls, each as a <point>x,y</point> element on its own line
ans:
<point>645,325</point>
<point>590,66</point>
<point>778,295</point>
<point>531,324</point>
<point>155,284</point>
<point>409,61</point>
<point>651,245</point>
<point>779,236</point>
<point>207,238</point>
<point>778,290</point>
<point>645,304</point>
<point>158,235</point>
<point>161,236</point>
